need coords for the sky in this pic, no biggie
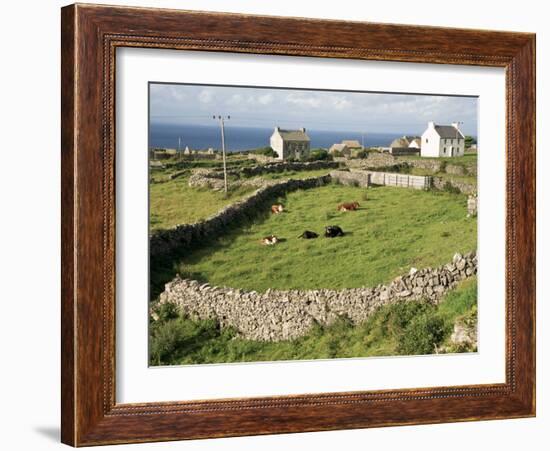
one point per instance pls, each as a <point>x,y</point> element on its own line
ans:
<point>315,110</point>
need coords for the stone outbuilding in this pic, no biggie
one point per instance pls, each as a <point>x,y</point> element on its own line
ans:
<point>293,144</point>
<point>405,145</point>
<point>339,149</point>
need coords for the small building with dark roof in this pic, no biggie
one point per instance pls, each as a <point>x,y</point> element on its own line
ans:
<point>442,141</point>
<point>406,145</point>
<point>339,149</point>
<point>293,144</point>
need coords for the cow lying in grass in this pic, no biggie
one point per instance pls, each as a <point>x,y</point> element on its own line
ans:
<point>348,206</point>
<point>277,208</point>
<point>333,231</point>
<point>308,235</point>
<point>269,240</point>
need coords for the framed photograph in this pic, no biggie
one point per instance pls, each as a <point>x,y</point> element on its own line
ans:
<point>268,230</point>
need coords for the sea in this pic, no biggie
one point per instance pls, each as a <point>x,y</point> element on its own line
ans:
<point>238,138</point>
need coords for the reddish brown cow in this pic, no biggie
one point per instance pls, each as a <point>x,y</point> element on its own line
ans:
<point>277,208</point>
<point>348,206</point>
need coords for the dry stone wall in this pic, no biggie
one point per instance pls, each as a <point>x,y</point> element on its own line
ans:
<point>165,242</point>
<point>213,179</point>
<point>464,187</point>
<point>283,315</point>
<point>352,178</point>
<point>290,166</point>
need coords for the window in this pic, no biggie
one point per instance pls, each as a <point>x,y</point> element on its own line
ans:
<point>426,140</point>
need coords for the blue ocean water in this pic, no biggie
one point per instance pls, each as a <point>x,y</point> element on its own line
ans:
<point>244,138</point>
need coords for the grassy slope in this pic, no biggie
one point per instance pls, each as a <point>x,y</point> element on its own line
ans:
<point>398,329</point>
<point>174,202</point>
<point>395,229</point>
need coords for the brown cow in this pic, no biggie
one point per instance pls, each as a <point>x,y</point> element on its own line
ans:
<point>270,240</point>
<point>277,208</point>
<point>348,206</point>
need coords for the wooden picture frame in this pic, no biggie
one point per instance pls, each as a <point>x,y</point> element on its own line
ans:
<point>90,36</point>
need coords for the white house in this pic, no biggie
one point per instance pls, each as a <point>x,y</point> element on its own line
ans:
<point>290,143</point>
<point>442,141</point>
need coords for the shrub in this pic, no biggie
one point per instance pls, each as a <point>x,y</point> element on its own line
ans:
<point>318,155</point>
<point>422,335</point>
<point>450,188</point>
<point>178,337</point>
<point>166,312</point>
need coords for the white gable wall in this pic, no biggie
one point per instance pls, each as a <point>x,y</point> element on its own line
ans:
<point>430,145</point>
<point>277,144</point>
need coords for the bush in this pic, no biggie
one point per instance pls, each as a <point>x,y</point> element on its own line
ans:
<point>174,338</point>
<point>318,155</point>
<point>450,188</point>
<point>166,311</point>
<point>422,335</point>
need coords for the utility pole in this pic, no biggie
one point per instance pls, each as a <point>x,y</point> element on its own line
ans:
<point>222,119</point>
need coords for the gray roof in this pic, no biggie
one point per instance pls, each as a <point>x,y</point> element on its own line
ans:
<point>293,135</point>
<point>448,131</point>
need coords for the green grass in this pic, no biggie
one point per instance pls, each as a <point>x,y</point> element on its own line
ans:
<point>394,229</point>
<point>411,328</point>
<point>175,202</point>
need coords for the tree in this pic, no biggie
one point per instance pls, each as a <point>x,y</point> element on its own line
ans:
<point>468,141</point>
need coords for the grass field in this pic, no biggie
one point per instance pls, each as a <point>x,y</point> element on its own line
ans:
<point>412,328</point>
<point>174,202</point>
<point>394,230</point>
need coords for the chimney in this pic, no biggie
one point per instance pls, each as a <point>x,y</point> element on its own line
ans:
<point>303,130</point>
<point>431,124</point>
<point>455,125</point>
<point>277,128</point>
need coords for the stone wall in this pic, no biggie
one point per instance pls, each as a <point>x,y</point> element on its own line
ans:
<point>464,187</point>
<point>472,205</point>
<point>381,160</point>
<point>282,315</point>
<point>262,158</point>
<point>164,242</point>
<point>352,178</point>
<point>213,178</point>
<point>290,166</point>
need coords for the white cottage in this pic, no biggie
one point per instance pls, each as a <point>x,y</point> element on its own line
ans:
<point>442,141</point>
<point>290,143</point>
